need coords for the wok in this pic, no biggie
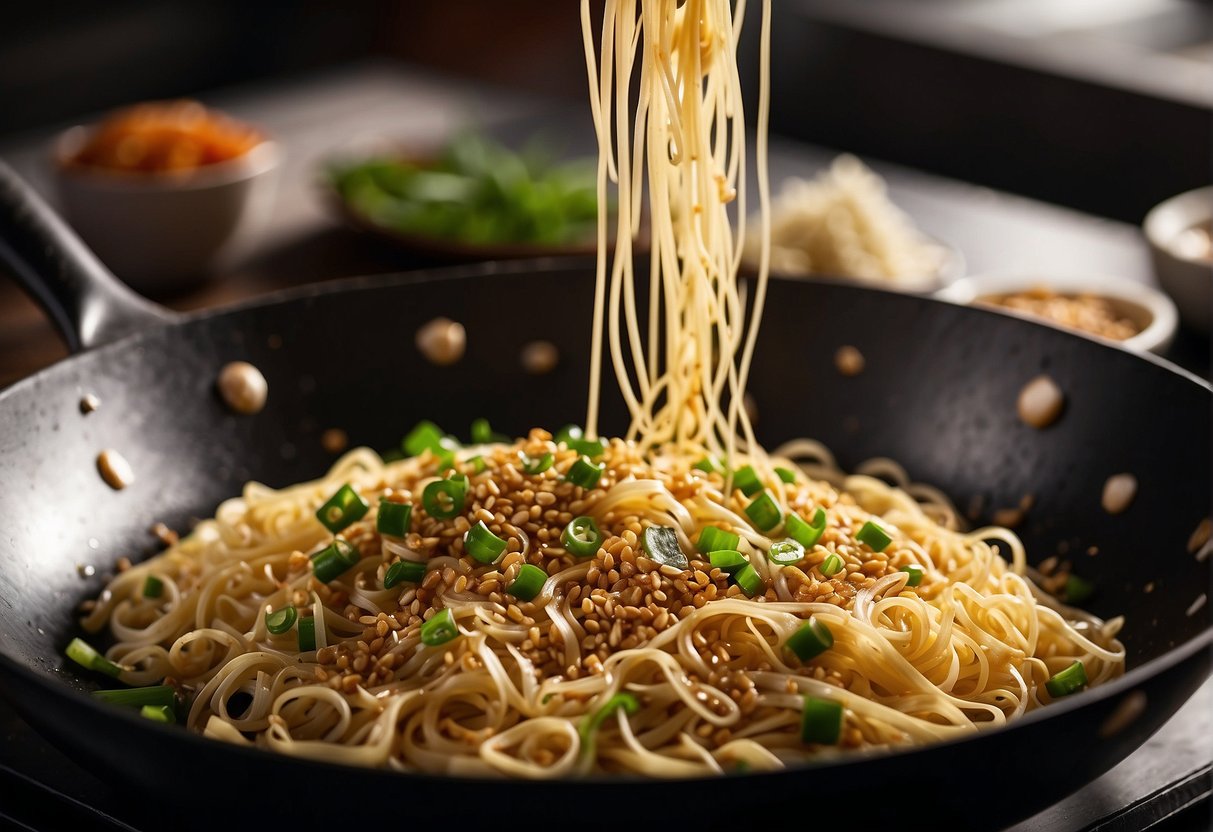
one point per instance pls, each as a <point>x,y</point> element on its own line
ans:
<point>938,394</point>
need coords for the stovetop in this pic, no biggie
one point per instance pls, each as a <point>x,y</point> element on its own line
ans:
<point>1165,785</point>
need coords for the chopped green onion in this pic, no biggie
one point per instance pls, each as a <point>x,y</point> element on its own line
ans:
<point>915,573</point>
<point>727,560</point>
<point>821,721</point>
<point>154,695</point>
<point>748,579</point>
<point>567,434</point>
<point>394,518</point>
<point>590,725</point>
<point>439,629</point>
<point>832,565</point>
<point>786,551</point>
<point>483,434</point>
<point>479,466</point>
<point>403,571</point>
<point>482,544</point>
<point>533,467</point>
<point>158,713</point>
<point>424,436</point>
<point>1065,682</point>
<point>661,544</point>
<point>747,480</point>
<point>764,511</point>
<point>810,640</point>
<point>333,560</point>
<point>709,465</point>
<point>443,499</point>
<point>806,534</point>
<point>874,536</point>
<point>585,473</point>
<point>307,634</point>
<point>713,539</point>
<point>529,581</point>
<point>786,475</point>
<point>153,587</point>
<point>342,508</point>
<point>581,537</point>
<point>279,621</point>
<point>83,654</point>
<point>572,437</point>
<point>1077,590</point>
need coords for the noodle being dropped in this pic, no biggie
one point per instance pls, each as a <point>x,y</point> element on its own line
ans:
<point>562,605</point>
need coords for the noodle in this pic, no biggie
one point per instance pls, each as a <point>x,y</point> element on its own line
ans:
<point>617,658</point>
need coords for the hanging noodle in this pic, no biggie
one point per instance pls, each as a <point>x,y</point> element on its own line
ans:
<point>520,690</point>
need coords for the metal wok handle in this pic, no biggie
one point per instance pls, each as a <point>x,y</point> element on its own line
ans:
<point>87,303</point>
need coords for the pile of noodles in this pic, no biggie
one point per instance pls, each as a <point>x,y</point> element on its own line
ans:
<point>521,690</point>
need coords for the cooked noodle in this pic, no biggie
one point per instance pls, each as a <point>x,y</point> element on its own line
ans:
<point>520,689</point>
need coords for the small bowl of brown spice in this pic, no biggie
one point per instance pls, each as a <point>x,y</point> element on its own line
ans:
<point>1122,311</point>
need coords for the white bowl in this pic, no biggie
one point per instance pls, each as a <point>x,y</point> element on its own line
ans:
<point>1151,310</point>
<point>160,231</point>
<point>1187,280</point>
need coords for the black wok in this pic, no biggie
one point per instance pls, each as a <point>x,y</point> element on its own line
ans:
<point>938,394</point>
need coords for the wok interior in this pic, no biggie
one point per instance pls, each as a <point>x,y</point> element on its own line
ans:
<point>938,395</point>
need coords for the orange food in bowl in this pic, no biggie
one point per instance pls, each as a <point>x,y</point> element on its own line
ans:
<point>159,137</point>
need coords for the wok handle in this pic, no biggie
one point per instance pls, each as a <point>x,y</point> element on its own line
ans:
<point>87,303</point>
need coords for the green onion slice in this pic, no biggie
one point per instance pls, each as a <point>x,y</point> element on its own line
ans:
<point>806,534</point>
<point>1077,590</point>
<point>403,571</point>
<point>158,713</point>
<point>786,475</point>
<point>713,539</point>
<point>532,467</point>
<point>832,565</point>
<point>747,480</point>
<point>153,695</point>
<point>786,551</point>
<point>279,621</point>
<point>585,473</point>
<point>342,508</point>
<point>764,512</point>
<point>443,499</point>
<point>709,465</point>
<point>483,433</point>
<point>427,436</point>
<point>874,536</point>
<point>83,654</point>
<point>572,437</point>
<point>1065,682</point>
<point>915,573</point>
<point>482,544</point>
<point>821,721</point>
<point>728,560</point>
<point>394,518</point>
<point>529,582</point>
<point>661,544</point>
<point>479,466</point>
<point>439,629</point>
<point>590,725</point>
<point>749,580</point>
<point>810,640</point>
<point>307,634</point>
<point>153,587</point>
<point>581,537</point>
<point>334,560</point>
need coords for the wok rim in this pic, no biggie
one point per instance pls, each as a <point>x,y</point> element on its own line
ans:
<point>1178,654</point>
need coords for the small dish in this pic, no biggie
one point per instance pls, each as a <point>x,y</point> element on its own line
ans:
<point>1182,271</point>
<point>163,231</point>
<point>1151,312</point>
